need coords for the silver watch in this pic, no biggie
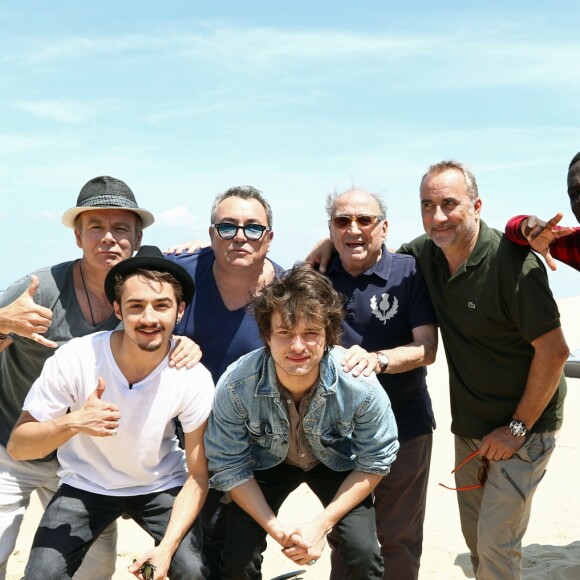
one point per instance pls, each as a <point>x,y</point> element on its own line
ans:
<point>383,361</point>
<point>518,428</point>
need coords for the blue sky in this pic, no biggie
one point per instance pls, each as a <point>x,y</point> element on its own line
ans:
<point>184,99</point>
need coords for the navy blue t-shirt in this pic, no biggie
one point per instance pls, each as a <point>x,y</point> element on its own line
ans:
<point>223,335</point>
<point>383,306</point>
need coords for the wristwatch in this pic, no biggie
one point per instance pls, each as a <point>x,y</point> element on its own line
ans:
<point>383,361</point>
<point>518,428</point>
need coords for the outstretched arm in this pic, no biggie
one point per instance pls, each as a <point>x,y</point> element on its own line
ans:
<point>320,255</point>
<point>186,353</point>
<point>538,234</point>
<point>420,352</point>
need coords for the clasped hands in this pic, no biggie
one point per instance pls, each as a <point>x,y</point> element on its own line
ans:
<point>302,543</point>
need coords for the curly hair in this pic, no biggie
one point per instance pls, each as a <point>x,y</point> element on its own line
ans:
<point>300,294</point>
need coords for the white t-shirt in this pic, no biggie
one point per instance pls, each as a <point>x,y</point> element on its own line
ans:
<point>145,456</point>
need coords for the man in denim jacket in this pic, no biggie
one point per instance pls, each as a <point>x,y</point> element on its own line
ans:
<point>290,413</point>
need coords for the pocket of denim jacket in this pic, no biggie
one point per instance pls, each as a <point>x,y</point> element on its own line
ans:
<point>339,431</point>
<point>260,433</point>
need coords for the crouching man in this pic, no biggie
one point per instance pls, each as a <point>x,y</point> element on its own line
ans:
<point>107,402</point>
<point>288,414</point>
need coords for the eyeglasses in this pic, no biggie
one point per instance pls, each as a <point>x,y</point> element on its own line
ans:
<point>481,474</point>
<point>342,222</point>
<point>252,232</point>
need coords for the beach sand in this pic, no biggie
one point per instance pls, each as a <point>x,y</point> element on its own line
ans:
<point>551,545</point>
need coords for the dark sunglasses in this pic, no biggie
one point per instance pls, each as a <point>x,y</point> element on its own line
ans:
<point>342,222</point>
<point>228,231</point>
<point>481,474</point>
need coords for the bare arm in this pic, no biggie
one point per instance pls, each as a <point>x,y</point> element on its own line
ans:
<point>26,318</point>
<point>550,355</point>
<point>32,439</point>
<point>320,255</point>
<point>188,247</point>
<point>186,507</point>
<point>250,498</point>
<point>420,352</point>
<point>354,489</point>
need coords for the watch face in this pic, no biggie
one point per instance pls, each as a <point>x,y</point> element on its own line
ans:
<point>518,429</point>
<point>383,361</point>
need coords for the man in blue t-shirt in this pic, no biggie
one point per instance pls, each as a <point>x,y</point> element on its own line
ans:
<point>391,329</point>
<point>227,275</point>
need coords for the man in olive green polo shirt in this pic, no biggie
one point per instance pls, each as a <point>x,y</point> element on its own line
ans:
<point>505,350</point>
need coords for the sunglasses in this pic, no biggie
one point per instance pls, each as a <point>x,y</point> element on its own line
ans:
<point>342,222</point>
<point>481,474</point>
<point>147,571</point>
<point>228,231</point>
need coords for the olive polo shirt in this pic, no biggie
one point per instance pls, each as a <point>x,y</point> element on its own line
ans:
<point>489,312</point>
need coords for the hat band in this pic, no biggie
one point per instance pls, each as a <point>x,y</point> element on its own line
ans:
<point>108,200</point>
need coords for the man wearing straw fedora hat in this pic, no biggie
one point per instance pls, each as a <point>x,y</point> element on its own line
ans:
<point>116,443</point>
<point>55,304</point>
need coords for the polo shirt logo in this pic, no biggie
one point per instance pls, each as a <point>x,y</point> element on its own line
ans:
<point>385,309</point>
<point>471,305</point>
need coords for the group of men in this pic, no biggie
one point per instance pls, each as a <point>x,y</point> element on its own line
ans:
<point>294,408</point>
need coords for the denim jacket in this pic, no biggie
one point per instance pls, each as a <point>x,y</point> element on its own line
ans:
<point>349,424</point>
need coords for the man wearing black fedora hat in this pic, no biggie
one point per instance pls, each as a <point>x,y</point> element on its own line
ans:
<point>106,403</point>
<point>45,310</point>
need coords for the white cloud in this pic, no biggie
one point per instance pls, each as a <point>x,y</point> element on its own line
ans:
<point>475,56</point>
<point>61,111</point>
<point>177,217</point>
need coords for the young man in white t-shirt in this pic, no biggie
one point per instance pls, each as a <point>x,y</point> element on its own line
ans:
<point>107,402</point>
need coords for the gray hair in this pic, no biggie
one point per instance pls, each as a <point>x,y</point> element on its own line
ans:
<point>468,177</point>
<point>243,192</point>
<point>332,198</point>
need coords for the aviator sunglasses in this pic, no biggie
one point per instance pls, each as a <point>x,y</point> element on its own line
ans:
<point>228,231</point>
<point>342,222</point>
<point>481,474</point>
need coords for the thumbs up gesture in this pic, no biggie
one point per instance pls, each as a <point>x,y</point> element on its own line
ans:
<point>26,318</point>
<point>98,418</point>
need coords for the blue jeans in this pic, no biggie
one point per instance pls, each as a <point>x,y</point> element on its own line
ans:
<point>215,521</point>
<point>74,518</point>
<point>246,540</point>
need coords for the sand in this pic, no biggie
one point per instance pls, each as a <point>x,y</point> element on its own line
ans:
<point>551,545</point>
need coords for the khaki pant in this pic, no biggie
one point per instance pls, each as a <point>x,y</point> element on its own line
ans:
<point>494,518</point>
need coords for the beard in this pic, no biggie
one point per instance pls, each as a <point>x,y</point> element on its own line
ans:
<point>150,346</point>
